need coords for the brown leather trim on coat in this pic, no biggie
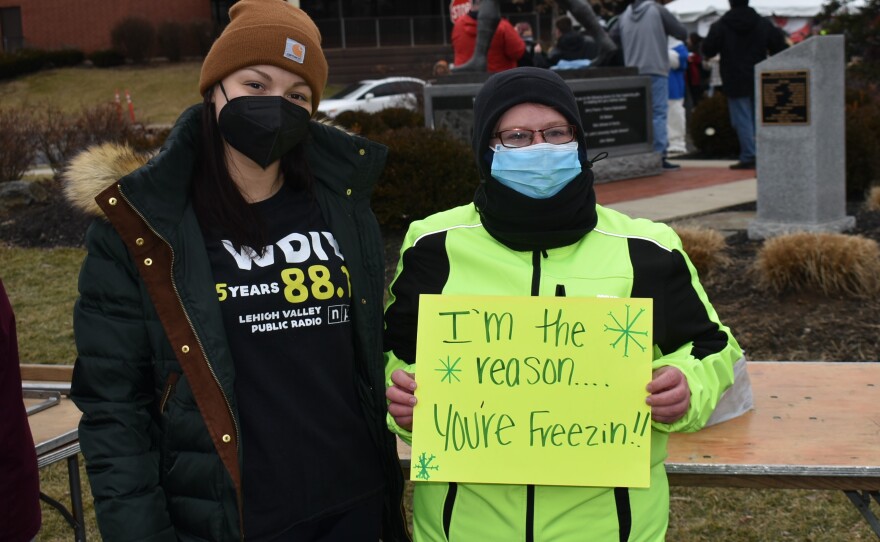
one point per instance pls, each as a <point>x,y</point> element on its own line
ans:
<point>156,275</point>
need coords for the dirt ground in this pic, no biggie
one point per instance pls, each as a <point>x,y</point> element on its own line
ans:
<point>798,326</point>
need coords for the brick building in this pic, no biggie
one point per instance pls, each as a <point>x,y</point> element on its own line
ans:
<point>86,24</point>
<point>344,24</point>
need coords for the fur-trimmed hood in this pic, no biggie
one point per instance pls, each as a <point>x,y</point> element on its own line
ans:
<point>95,169</point>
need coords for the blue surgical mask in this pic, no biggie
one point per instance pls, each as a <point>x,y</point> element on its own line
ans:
<point>538,171</point>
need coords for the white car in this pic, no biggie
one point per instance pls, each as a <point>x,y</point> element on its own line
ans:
<point>372,95</point>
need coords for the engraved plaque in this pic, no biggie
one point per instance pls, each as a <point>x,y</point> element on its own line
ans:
<point>785,97</point>
<point>615,117</point>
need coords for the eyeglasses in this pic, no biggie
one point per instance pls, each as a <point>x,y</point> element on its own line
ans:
<point>521,137</point>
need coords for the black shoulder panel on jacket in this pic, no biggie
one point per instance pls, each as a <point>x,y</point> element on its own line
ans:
<point>679,314</point>
<point>425,271</point>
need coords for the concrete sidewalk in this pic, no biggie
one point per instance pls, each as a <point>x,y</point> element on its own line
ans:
<point>691,194</point>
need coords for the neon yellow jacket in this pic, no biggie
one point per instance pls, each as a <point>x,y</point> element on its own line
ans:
<point>452,253</point>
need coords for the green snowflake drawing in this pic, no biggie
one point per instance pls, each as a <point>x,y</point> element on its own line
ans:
<point>424,465</point>
<point>449,370</point>
<point>626,331</point>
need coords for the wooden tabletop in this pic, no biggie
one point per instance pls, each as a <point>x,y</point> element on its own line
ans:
<point>815,425</point>
<point>55,426</point>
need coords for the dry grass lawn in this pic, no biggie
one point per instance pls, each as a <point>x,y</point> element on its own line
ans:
<point>159,93</point>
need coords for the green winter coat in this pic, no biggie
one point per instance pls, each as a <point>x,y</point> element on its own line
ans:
<point>154,376</point>
<point>452,253</point>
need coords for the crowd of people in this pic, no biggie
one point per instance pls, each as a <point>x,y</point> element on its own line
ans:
<point>684,68</point>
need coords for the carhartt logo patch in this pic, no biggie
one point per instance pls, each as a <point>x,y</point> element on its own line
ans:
<point>295,51</point>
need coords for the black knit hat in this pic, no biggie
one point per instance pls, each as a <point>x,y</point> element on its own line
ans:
<point>519,222</point>
<point>506,89</point>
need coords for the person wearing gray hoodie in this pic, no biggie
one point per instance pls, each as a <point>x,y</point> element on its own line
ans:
<point>642,30</point>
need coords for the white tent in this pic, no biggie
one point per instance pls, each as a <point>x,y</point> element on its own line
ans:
<point>794,16</point>
<point>690,11</point>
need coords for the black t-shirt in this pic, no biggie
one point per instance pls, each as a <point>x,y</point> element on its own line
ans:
<point>305,447</point>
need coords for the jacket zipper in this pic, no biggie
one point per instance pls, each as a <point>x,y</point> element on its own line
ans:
<point>624,512</point>
<point>560,292</point>
<point>530,488</point>
<point>536,271</point>
<point>447,507</point>
<point>198,340</point>
<point>530,513</point>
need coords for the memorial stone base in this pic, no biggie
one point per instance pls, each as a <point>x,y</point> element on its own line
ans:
<point>801,140</point>
<point>763,229</point>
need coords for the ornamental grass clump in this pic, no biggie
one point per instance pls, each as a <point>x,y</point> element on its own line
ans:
<point>830,263</point>
<point>704,246</point>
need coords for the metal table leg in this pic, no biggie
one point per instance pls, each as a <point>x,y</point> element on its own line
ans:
<point>76,517</point>
<point>79,526</point>
<point>862,501</point>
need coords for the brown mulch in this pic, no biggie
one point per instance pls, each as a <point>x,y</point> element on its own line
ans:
<point>796,326</point>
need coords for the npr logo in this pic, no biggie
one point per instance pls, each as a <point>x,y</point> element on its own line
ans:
<point>337,314</point>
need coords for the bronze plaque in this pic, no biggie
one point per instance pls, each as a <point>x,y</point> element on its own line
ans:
<point>785,97</point>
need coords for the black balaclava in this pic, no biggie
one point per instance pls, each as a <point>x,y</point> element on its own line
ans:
<point>517,221</point>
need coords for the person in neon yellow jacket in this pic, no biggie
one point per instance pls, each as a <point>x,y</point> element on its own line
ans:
<point>534,228</point>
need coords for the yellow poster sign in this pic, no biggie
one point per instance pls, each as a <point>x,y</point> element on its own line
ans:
<point>533,390</point>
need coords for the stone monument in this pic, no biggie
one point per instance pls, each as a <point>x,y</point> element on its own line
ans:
<point>800,125</point>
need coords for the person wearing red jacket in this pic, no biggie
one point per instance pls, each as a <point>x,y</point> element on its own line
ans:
<point>505,49</point>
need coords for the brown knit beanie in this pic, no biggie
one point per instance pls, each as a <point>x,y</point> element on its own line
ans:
<point>269,32</point>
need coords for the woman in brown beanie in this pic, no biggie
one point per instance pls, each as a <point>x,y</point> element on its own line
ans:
<point>229,323</point>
